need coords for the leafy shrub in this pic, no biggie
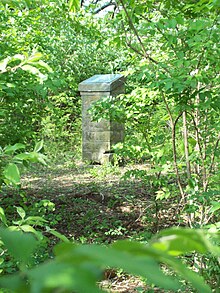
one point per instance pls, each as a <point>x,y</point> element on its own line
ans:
<point>9,171</point>
<point>74,47</point>
<point>80,267</point>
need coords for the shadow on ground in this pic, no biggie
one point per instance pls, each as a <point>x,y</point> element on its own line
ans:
<point>93,203</point>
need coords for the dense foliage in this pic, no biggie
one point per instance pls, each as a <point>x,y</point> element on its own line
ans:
<point>175,104</point>
<point>80,267</point>
<point>73,47</point>
<point>170,55</point>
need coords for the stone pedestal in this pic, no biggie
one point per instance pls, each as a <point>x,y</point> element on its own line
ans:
<point>99,137</point>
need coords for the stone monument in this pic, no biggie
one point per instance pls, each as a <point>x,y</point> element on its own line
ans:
<point>99,137</point>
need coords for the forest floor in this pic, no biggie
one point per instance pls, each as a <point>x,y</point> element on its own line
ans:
<point>98,204</point>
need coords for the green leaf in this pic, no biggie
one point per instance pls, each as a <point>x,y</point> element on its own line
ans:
<point>36,220</point>
<point>33,70</point>
<point>42,159</point>
<point>33,157</point>
<point>162,193</point>
<point>58,235</point>
<point>15,283</point>
<point>36,57</point>
<point>4,63</point>
<point>41,64</point>
<point>141,265</point>
<point>178,244</point>
<point>30,229</point>
<point>168,85</point>
<point>38,146</point>
<point>178,241</point>
<point>44,65</point>
<point>172,23</point>
<point>66,276</point>
<point>190,276</point>
<point>19,245</point>
<point>135,258</point>
<point>21,212</point>
<point>11,174</point>
<point>21,157</point>
<point>180,19</point>
<point>15,3</point>
<point>18,57</point>
<point>10,149</point>
<point>14,228</point>
<point>3,217</point>
<point>10,85</point>
<point>74,5</point>
<point>215,206</point>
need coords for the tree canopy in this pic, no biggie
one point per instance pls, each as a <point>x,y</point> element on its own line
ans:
<point>169,53</point>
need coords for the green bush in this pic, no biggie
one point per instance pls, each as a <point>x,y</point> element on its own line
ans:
<point>74,47</point>
<point>79,267</point>
<point>12,160</point>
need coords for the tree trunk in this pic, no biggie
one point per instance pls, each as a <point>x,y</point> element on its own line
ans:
<point>186,145</point>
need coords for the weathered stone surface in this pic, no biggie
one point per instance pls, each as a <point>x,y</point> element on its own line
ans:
<point>101,83</point>
<point>99,137</point>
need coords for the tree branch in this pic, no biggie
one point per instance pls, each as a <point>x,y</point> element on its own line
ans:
<point>213,155</point>
<point>173,125</point>
<point>105,6</point>
<point>186,145</point>
<point>145,54</point>
<point>204,48</point>
<point>129,44</point>
<point>150,21</point>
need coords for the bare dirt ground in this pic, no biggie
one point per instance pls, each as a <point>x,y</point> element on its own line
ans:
<point>95,201</point>
<point>93,204</point>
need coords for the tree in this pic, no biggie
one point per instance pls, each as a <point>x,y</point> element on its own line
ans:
<point>75,49</point>
<point>175,45</point>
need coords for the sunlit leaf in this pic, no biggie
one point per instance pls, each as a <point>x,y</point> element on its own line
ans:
<point>4,63</point>
<point>21,212</point>
<point>30,229</point>
<point>3,217</point>
<point>33,70</point>
<point>215,206</point>
<point>12,174</point>
<point>179,241</point>
<point>18,57</point>
<point>23,156</point>
<point>10,149</point>
<point>58,235</point>
<point>44,65</point>
<point>38,146</point>
<point>35,220</point>
<point>36,57</point>
<point>74,5</point>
